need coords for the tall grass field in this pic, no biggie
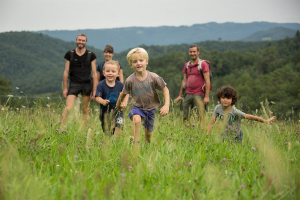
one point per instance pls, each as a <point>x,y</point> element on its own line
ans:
<point>40,160</point>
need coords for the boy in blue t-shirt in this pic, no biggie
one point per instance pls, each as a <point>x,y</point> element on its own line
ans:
<point>107,94</point>
<point>227,97</point>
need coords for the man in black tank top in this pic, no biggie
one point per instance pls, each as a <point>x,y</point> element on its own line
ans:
<point>80,64</point>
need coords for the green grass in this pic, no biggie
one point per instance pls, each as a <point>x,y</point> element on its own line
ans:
<point>40,162</point>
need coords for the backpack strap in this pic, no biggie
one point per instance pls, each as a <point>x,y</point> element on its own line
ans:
<point>71,55</point>
<point>199,65</point>
<point>89,56</point>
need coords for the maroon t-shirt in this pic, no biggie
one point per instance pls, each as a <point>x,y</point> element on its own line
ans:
<point>195,80</point>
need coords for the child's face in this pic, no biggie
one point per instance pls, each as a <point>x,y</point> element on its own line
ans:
<point>226,101</point>
<point>139,64</point>
<point>108,56</point>
<point>111,72</point>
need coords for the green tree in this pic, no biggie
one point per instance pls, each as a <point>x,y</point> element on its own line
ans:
<point>5,86</point>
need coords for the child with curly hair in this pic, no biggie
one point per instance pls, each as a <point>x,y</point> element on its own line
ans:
<point>227,97</point>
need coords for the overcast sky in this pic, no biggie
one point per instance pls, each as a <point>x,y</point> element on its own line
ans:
<point>33,15</point>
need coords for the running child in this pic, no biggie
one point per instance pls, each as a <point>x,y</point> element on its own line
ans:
<point>142,86</point>
<point>107,94</point>
<point>227,96</point>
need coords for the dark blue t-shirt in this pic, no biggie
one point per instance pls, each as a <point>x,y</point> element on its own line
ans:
<point>109,93</point>
<point>100,69</point>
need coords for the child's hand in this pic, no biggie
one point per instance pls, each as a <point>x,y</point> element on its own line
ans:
<point>271,119</point>
<point>123,106</point>
<point>105,102</point>
<point>164,110</point>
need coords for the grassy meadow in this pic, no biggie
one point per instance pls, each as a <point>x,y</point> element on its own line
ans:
<point>39,160</point>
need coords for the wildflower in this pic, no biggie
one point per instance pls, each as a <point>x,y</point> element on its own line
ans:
<point>190,163</point>
<point>57,165</point>
<point>75,156</point>
<point>89,148</point>
<point>17,88</point>
<point>100,145</point>
<point>63,131</point>
<point>123,175</point>
<point>224,160</point>
<point>51,124</point>
<point>129,168</point>
<point>292,160</point>
<point>154,187</point>
<point>253,148</point>
<point>48,97</point>
<point>231,173</point>
<point>33,171</point>
<point>56,130</point>
<point>193,125</point>
<point>243,186</point>
<point>188,124</point>
<point>262,173</point>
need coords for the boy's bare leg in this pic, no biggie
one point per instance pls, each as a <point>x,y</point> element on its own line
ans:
<point>69,105</point>
<point>136,127</point>
<point>148,135</point>
<point>118,132</point>
<point>85,110</point>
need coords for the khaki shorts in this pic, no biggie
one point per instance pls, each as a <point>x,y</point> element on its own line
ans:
<point>190,103</point>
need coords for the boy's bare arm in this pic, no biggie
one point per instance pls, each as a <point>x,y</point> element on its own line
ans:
<point>120,99</point>
<point>207,87</point>
<point>66,77</point>
<point>210,125</point>
<point>252,117</point>
<point>165,109</point>
<point>102,101</point>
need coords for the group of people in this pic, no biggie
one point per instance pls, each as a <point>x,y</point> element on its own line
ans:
<point>106,85</point>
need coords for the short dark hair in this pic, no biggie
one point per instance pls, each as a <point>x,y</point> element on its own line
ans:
<point>227,92</point>
<point>194,45</point>
<point>109,49</point>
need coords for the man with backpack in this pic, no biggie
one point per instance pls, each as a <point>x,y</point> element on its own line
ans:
<point>80,70</point>
<point>196,82</point>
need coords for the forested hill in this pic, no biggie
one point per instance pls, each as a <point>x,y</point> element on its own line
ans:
<point>129,37</point>
<point>34,62</point>
<point>258,70</point>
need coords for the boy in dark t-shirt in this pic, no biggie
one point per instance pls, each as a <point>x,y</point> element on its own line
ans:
<point>107,94</point>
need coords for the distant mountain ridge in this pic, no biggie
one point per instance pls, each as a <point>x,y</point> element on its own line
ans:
<point>125,38</point>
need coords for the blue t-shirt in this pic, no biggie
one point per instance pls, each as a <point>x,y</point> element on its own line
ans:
<point>100,69</point>
<point>109,93</point>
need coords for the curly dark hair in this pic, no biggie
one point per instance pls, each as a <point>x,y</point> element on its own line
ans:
<point>227,92</point>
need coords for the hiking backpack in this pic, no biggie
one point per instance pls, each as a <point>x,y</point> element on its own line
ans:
<point>200,71</point>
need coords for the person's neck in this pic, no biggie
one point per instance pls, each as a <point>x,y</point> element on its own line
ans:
<point>80,52</point>
<point>141,75</point>
<point>193,62</point>
<point>107,60</point>
<point>110,83</point>
<point>227,108</point>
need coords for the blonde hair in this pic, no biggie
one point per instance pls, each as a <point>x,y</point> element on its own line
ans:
<point>112,62</point>
<point>135,53</point>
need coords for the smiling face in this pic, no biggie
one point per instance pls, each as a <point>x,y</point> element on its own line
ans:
<point>226,102</point>
<point>194,53</point>
<point>80,41</point>
<point>107,55</point>
<point>139,64</point>
<point>111,72</point>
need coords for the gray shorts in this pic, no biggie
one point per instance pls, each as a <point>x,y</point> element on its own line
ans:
<point>191,102</point>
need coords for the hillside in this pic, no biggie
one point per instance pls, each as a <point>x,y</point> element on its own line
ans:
<point>34,62</point>
<point>124,38</point>
<point>271,34</point>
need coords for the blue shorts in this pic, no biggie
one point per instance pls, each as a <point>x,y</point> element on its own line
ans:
<point>148,117</point>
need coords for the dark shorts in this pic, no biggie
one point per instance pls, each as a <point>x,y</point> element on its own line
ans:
<point>190,102</point>
<point>111,120</point>
<point>83,88</point>
<point>148,117</point>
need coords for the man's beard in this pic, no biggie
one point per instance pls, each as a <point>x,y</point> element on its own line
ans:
<point>80,47</point>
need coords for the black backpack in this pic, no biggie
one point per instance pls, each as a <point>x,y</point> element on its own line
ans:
<point>200,71</point>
